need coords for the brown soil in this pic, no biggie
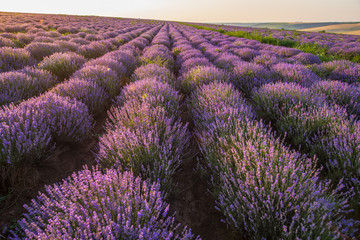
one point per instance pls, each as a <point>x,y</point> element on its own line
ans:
<point>62,163</point>
<point>195,206</point>
<point>191,200</point>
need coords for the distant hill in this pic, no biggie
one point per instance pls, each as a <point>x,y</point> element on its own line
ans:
<point>353,28</point>
<point>289,25</point>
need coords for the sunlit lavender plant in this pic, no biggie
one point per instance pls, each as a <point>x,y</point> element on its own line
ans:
<point>95,205</point>
<point>63,65</point>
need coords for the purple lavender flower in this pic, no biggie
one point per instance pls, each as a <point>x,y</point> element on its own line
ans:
<point>267,59</point>
<point>111,63</point>
<point>152,91</point>
<point>151,70</point>
<point>206,101</point>
<point>4,42</point>
<point>340,93</point>
<point>63,65</point>
<point>40,50</point>
<point>227,61</point>
<point>306,58</point>
<point>260,185</point>
<point>96,205</point>
<point>249,76</point>
<point>158,54</point>
<point>126,57</point>
<point>140,137</point>
<point>93,50</point>
<point>190,63</point>
<point>296,73</point>
<point>286,52</point>
<point>13,59</point>
<point>274,100</point>
<point>68,120</point>
<point>87,92</point>
<point>25,135</point>
<point>101,75</point>
<point>246,54</point>
<point>200,75</point>
<point>341,70</point>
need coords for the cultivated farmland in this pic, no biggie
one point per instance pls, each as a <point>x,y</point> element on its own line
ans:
<point>114,128</point>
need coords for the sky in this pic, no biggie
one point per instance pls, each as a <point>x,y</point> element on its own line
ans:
<point>198,10</point>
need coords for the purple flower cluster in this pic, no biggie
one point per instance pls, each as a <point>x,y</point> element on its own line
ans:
<point>68,119</point>
<point>21,85</point>
<point>151,70</point>
<point>111,63</point>
<point>154,92</point>
<point>87,92</point>
<point>40,50</point>
<point>144,134</point>
<point>96,205</point>
<point>102,76</point>
<point>248,76</point>
<point>13,59</point>
<point>260,185</point>
<point>296,73</point>
<point>24,133</point>
<point>340,93</point>
<point>318,128</point>
<point>63,65</point>
<point>341,70</point>
<point>200,75</point>
<point>158,54</point>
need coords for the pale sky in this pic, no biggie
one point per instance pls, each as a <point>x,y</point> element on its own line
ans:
<point>198,10</point>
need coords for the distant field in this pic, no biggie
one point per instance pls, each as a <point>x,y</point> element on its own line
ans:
<point>288,25</point>
<point>353,28</point>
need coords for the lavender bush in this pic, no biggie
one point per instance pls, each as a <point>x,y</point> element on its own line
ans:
<point>296,73</point>
<point>68,120</point>
<point>63,65</point>
<point>25,135</point>
<point>260,185</point>
<point>13,59</point>
<point>87,92</point>
<point>144,140</point>
<point>96,205</point>
<point>340,93</point>
<point>40,50</point>
<point>101,75</point>
<point>249,76</point>
<point>200,75</point>
<point>110,63</point>
<point>274,100</point>
<point>341,70</point>
<point>151,70</point>
<point>154,92</point>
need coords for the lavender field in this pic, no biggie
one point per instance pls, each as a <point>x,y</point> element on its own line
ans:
<point>116,128</point>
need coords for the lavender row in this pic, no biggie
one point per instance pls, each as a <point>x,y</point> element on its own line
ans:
<point>93,204</point>
<point>304,115</point>
<point>43,46</point>
<point>261,186</point>
<point>321,129</point>
<point>248,76</point>
<point>231,49</point>
<point>147,117</point>
<point>133,208</point>
<point>22,84</point>
<point>28,135</point>
<point>339,45</point>
<point>221,115</point>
